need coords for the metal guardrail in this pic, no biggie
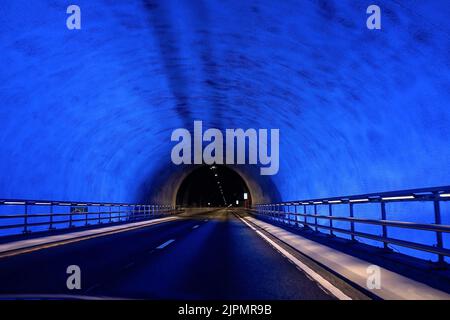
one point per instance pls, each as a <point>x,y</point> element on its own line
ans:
<point>66,214</point>
<point>282,212</point>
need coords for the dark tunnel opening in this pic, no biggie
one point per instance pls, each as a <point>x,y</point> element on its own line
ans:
<point>213,186</point>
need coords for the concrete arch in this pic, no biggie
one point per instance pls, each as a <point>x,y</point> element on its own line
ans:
<point>87,114</point>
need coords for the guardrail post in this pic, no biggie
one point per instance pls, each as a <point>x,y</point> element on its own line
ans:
<point>50,227</point>
<point>330,213</point>
<point>296,215</point>
<point>99,215</point>
<point>110,214</point>
<point>86,218</point>
<point>315,218</point>
<point>304,217</point>
<point>384,227</point>
<point>25,220</point>
<point>286,221</point>
<point>438,221</point>
<point>70,218</point>
<point>352,223</point>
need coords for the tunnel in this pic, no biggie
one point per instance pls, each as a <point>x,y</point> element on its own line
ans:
<point>87,114</point>
<point>187,149</point>
<point>213,186</point>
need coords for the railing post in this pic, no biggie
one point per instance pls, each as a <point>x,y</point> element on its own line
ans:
<point>284,214</point>
<point>296,215</point>
<point>330,213</point>
<point>438,221</point>
<point>352,223</point>
<point>70,218</point>
<point>304,217</point>
<point>110,214</point>
<point>384,227</point>
<point>86,218</point>
<point>99,214</point>
<point>50,227</point>
<point>25,220</point>
<point>315,218</point>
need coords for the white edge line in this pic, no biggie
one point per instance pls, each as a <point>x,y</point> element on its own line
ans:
<point>195,227</point>
<point>165,244</point>
<point>314,275</point>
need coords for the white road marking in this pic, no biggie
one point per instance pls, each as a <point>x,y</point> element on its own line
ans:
<point>195,227</point>
<point>165,244</point>
<point>310,272</point>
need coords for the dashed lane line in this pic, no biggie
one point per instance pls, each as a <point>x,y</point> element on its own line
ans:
<point>165,244</point>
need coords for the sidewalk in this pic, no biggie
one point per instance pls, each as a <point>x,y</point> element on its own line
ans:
<point>393,286</point>
<point>28,245</point>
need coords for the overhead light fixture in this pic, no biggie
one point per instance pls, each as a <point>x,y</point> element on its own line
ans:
<point>359,200</point>
<point>245,195</point>
<point>334,201</point>
<point>398,198</point>
<point>445,195</point>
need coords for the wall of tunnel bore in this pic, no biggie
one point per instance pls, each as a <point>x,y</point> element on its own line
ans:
<point>87,116</point>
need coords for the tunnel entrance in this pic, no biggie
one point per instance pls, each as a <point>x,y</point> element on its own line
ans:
<point>213,186</point>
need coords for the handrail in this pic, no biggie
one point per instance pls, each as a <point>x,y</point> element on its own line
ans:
<point>281,212</point>
<point>70,214</point>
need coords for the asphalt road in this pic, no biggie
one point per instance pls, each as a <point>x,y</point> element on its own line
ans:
<point>207,256</point>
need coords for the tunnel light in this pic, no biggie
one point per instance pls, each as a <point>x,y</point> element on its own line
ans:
<point>317,202</point>
<point>398,198</point>
<point>65,204</point>
<point>15,203</point>
<point>245,195</point>
<point>445,195</point>
<point>359,200</point>
<point>215,175</point>
<point>43,203</point>
<point>334,201</point>
<point>81,204</point>
<point>305,203</point>
<point>237,201</point>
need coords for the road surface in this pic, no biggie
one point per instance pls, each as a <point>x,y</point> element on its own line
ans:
<point>207,256</point>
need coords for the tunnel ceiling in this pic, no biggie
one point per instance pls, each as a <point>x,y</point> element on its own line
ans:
<point>88,114</point>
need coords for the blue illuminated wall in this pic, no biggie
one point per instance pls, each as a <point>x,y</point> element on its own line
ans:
<point>87,115</point>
